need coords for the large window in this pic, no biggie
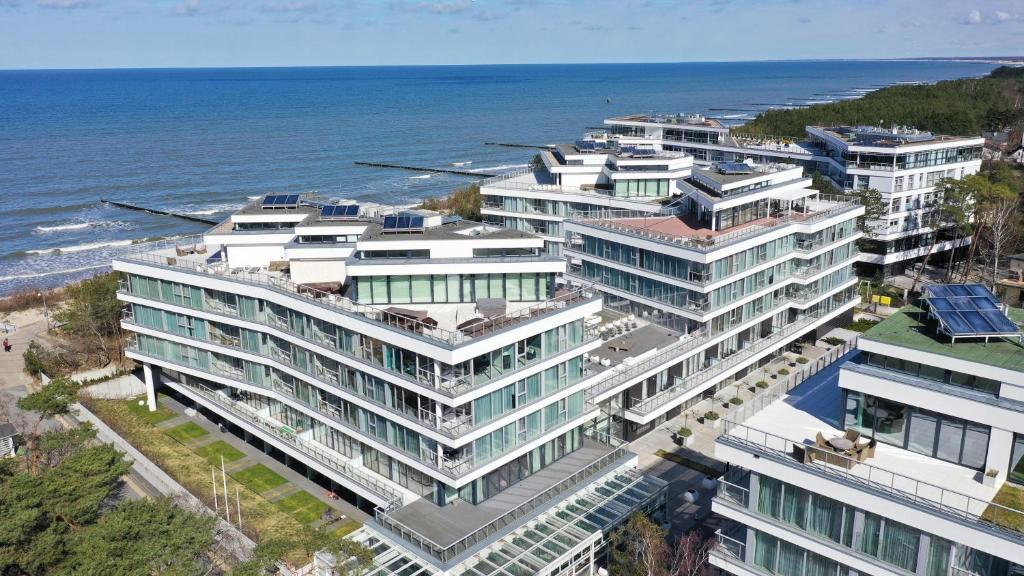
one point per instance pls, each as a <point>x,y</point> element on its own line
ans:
<point>928,372</point>
<point>918,430</point>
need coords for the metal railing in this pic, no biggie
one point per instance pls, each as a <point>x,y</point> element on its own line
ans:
<point>991,516</point>
<point>281,432</point>
<point>282,284</point>
<point>616,221</point>
<point>689,383</point>
<point>730,546</point>
<point>384,519</point>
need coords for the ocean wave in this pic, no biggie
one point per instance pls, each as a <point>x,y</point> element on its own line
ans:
<point>81,226</point>
<point>193,210</point>
<point>55,272</point>
<point>80,247</point>
<point>421,177</point>
<point>499,167</point>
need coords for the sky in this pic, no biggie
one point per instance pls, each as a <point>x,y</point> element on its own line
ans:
<point>193,33</point>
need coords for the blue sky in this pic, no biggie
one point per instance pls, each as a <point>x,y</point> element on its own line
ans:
<point>162,33</point>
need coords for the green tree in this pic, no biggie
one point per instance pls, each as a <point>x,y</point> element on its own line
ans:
<point>92,312</point>
<point>52,400</point>
<point>463,202</point>
<point>536,163</point>
<point>40,512</point>
<point>141,537</point>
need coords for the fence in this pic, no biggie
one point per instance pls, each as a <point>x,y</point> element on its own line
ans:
<point>783,386</point>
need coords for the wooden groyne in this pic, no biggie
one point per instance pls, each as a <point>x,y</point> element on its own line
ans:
<point>158,212</point>
<point>423,169</point>
<point>514,145</point>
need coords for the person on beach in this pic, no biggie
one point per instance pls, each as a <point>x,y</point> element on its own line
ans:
<point>7,345</point>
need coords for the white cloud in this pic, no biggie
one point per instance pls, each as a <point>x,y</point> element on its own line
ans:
<point>188,8</point>
<point>973,17</point>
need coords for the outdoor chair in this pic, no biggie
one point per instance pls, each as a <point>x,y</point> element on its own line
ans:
<point>852,435</point>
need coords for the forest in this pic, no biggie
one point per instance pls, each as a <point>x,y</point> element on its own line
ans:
<point>963,107</point>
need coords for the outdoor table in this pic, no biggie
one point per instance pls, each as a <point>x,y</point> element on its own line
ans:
<point>841,443</point>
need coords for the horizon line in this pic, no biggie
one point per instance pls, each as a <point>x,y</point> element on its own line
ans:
<point>1019,60</point>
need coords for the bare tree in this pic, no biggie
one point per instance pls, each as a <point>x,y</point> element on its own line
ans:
<point>1003,231</point>
<point>690,555</point>
<point>639,548</point>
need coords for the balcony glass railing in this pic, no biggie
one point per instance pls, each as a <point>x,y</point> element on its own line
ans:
<point>693,381</point>
<point>1002,520</point>
<point>449,385</point>
<point>384,519</point>
<point>635,223</point>
<point>281,283</point>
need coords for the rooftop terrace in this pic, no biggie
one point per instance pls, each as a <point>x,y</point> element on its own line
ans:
<point>437,323</point>
<point>814,407</point>
<point>911,328</point>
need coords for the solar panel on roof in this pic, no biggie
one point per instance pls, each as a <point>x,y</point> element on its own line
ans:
<point>968,310</point>
<point>390,222</point>
<point>403,223</point>
<point>347,212</point>
<point>281,201</point>
<point>733,168</point>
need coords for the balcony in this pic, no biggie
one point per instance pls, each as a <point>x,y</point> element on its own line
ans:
<point>164,254</point>
<point>673,231</point>
<point>642,408</point>
<point>445,383</point>
<point>888,475</point>
<point>446,536</point>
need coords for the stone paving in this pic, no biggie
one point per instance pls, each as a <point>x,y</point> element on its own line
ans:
<point>700,448</point>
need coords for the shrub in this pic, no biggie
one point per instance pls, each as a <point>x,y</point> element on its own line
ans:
<point>783,372</point>
<point>833,341</point>
<point>802,360</point>
<point>736,401</point>
<point>685,432</point>
<point>761,384</point>
<point>711,415</point>
<point>39,359</point>
<point>862,325</point>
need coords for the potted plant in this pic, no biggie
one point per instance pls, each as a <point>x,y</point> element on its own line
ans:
<point>989,479</point>
<point>712,417</point>
<point>803,360</point>
<point>783,372</point>
<point>761,384</point>
<point>685,436</point>
<point>735,400</point>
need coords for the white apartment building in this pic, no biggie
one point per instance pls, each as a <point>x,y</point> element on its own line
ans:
<point>903,164</point>
<point>746,261</point>
<point>423,365</point>
<point>594,173</point>
<point>911,462</point>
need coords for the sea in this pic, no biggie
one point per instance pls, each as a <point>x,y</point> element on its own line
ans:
<point>204,142</point>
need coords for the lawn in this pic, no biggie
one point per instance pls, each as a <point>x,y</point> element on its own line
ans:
<point>142,412</point>
<point>1012,516</point>
<point>259,478</point>
<point>263,520</point>
<point>347,528</point>
<point>186,432</point>
<point>303,506</point>
<point>213,452</point>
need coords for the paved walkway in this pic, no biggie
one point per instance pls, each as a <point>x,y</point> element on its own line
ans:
<point>342,510</point>
<point>700,450</point>
<point>27,326</point>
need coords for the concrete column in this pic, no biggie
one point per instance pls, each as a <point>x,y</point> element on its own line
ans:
<point>147,372</point>
<point>923,550</point>
<point>754,492</point>
<point>1000,445</point>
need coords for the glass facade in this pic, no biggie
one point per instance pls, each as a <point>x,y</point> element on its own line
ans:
<point>922,431</point>
<point>885,539</point>
<point>427,288</point>
<point>979,383</point>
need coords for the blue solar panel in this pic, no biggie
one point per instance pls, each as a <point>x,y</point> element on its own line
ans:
<point>347,212</point>
<point>403,223</point>
<point>281,201</point>
<point>968,310</point>
<point>390,222</point>
<point>733,168</point>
